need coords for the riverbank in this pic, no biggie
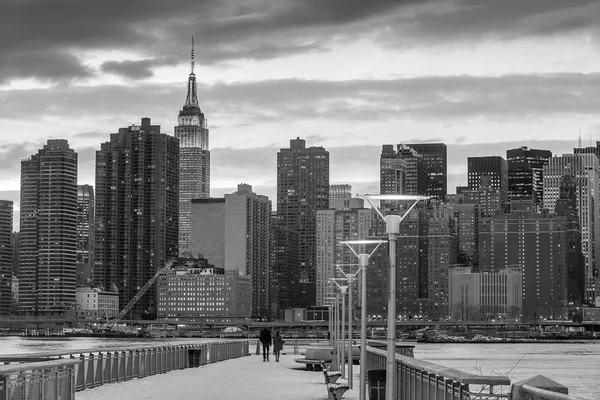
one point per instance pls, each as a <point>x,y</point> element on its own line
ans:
<point>495,339</point>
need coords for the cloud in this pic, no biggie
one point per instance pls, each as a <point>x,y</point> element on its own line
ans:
<point>61,33</point>
<point>475,21</point>
<point>429,98</point>
<point>139,69</point>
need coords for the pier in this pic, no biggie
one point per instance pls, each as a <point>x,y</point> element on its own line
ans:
<point>231,369</point>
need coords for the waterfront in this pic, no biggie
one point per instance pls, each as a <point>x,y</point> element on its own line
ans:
<point>575,365</point>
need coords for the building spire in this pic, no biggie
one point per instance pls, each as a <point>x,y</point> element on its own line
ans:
<point>192,97</point>
<point>192,54</point>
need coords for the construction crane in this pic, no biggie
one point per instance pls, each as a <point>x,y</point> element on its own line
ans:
<point>138,295</point>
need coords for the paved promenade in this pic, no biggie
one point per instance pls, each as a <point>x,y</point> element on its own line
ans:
<point>245,378</point>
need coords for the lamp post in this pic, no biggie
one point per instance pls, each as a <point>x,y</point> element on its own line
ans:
<point>363,260</point>
<point>333,329</point>
<point>392,228</point>
<point>349,278</point>
<point>343,289</point>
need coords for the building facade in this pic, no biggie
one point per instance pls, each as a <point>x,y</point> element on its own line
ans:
<point>285,268</point>
<point>137,218</point>
<point>474,296</point>
<point>203,294</point>
<point>302,190</point>
<point>416,177</point>
<point>94,303</point>
<point>247,242</point>
<point>194,158</point>
<point>435,156</point>
<point>538,244</point>
<point>494,167</point>
<point>339,192</point>
<point>6,256</point>
<point>438,246</point>
<point>392,171</point>
<point>234,233</point>
<point>85,233</point>
<point>584,168</point>
<point>349,220</point>
<point>208,230</point>
<point>526,173</point>
<point>48,233</point>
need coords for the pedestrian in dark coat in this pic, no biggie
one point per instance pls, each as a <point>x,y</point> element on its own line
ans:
<point>277,345</point>
<point>266,340</point>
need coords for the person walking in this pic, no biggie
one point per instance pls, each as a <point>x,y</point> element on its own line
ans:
<point>277,345</point>
<point>265,339</point>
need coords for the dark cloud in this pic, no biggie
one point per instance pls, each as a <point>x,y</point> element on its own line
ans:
<point>139,69</point>
<point>49,39</point>
<point>480,20</point>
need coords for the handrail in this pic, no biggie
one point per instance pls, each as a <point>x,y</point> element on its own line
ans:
<point>446,372</point>
<point>548,394</point>
<point>12,368</point>
<point>58,353</point>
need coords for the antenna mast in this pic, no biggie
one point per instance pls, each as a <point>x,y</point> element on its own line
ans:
<point>192,54</point>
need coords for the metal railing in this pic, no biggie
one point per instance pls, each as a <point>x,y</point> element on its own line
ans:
<point>422,380</point>
<point>46,380</point>
<point>90,368</point>
<point>528,392</point>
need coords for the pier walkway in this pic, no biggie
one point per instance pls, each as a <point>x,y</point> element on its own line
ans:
<point>245,378</point>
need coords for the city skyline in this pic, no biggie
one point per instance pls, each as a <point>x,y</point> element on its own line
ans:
<point>464,72</point>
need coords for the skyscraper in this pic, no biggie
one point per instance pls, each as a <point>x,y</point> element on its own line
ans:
<point>494,167</point>
<point>85,232</point>
<point>302,190</point>
<point>435,156</point>
<point>48,233</point>
<point>247,242</point>
<point>194,157</point>
<point>585,170</point>
<point>137,219</point>
<point>525,173</point>
<point>6,255</point>
<point>392,171</point>
<point>234,233</point>
<point>285,268</point>
<point>415,175</point>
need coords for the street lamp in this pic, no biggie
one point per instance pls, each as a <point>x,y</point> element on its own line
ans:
<point>333,303</point>
<point>392,228</point>
<point>349,278</point>
<point>343,289</point>
<point>363,260</point>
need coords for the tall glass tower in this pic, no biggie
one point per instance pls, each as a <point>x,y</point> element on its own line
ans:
<point>194,158</point>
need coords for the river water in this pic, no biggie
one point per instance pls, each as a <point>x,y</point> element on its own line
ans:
<point>575,365</point>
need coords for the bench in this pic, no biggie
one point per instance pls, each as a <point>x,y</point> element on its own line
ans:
<point>330,376</point>
<point>311,365</point>
<point>314,356</point>
<point>336,391</point>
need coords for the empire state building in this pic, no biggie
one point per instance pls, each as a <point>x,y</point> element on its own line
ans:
<point>194,158</point>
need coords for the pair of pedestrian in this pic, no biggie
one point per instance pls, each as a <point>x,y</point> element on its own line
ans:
<point>266,339</point>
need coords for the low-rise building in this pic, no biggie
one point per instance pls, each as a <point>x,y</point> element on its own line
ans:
<point>474,296</point>
<point>191,293</point>
<point>95,303</point>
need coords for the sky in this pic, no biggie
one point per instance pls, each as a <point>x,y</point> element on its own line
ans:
<point>482,76</point>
